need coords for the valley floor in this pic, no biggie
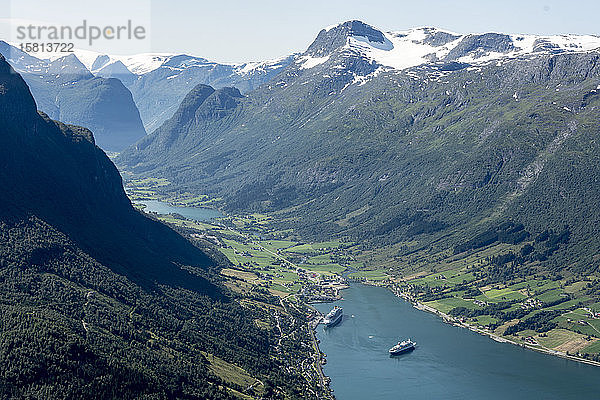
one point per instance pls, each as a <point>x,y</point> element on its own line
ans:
<point>553,314</point>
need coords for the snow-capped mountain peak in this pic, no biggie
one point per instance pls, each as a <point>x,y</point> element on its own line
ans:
<point>417,46</point>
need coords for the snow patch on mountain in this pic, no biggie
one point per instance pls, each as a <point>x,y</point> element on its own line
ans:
<point>262,66</point>
<point>87,57</point>
<point>307,62</point>
<point>361,80</point>
<point>141,64</point>
<point>400,50</point>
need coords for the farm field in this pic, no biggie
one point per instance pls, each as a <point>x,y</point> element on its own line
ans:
<point>553,313</point>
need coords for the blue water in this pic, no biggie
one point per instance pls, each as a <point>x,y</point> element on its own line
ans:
<point>449,362</point>
<point>195,213</point>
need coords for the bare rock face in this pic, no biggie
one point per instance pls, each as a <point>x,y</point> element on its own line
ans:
<point>328,41</point>
<point>480,45</point>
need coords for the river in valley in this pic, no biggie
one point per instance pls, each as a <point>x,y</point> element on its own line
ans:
<point>448,363</point>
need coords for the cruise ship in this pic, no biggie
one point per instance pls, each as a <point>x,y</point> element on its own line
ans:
<point>402,347</point>
<point>333,317</point>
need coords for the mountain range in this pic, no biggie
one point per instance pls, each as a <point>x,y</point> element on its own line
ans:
<point>115,95</point>
<point>158,82</point>
<point>388,137</point>
<point>158,86</point>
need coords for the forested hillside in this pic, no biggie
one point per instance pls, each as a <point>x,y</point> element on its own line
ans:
<point>97,300</point>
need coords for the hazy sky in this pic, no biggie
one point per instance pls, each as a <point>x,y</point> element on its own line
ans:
<point>235,31</point>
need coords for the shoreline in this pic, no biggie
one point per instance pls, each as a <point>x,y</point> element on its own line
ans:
<point>325,380</point>
<point>500,339</point>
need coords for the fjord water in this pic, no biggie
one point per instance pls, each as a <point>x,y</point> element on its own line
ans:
<point>195,213</point>
<point>449,362</point>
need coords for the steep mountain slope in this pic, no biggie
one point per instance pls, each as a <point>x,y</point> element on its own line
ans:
<point>66,90</point>
<point>200,108</point>
<point>387,137</point>
<point>96,300</point>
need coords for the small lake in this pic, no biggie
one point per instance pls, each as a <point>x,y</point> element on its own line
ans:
<point>449,362</point>
<point>195,213</point>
